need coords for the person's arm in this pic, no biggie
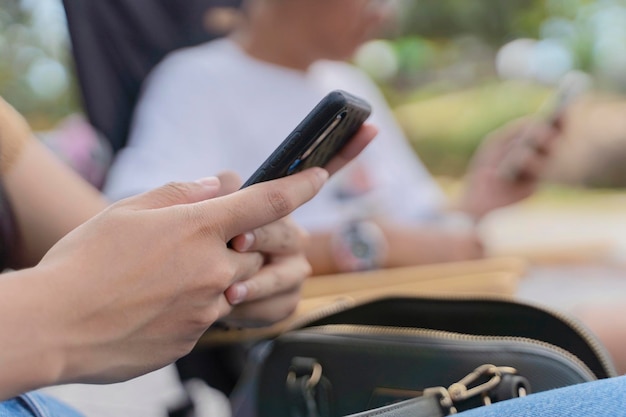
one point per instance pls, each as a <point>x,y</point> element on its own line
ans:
<point>152,270</point>
<point>149,271</point>
<point>404,245</point>
<point>47,198</point>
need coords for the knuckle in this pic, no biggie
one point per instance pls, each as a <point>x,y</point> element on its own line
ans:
<point>204,224</point>
<point>206,317</point>
<point>293,238</point>
<point>175,189</point>
<point>223,273</point>
<point>253,262</point>
<point>228,271</point>
<point>279,203</point>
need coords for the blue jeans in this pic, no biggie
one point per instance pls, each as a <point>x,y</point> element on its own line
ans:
<point>36,405</point>
<point>599,398</point>
<point>606,397</point>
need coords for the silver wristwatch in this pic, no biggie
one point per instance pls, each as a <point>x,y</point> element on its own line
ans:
<point>359,246</point>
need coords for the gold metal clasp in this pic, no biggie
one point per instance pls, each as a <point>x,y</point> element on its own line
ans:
<point>461,391</point>
<point>314,379</point>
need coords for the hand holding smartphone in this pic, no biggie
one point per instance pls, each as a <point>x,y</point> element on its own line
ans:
<point>572,86</point>
<point>317,139</point>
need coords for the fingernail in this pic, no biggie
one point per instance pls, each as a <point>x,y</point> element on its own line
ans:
<point>248,241</point>
<point>240,291</point>
<point>209,182</point>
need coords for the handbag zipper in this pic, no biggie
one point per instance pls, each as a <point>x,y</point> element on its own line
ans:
<point>346,302</point>
<point>365,330</point>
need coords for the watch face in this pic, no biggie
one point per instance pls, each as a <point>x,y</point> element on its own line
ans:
<point>360,244</point>
<point>362,250</point>
<point>365,242</point>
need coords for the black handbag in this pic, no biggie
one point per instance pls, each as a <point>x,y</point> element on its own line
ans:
<point>501,383</point>
<point>428,356</point>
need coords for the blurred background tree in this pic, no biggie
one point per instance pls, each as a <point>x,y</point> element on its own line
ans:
<point>496,22</point>
<point>440,66</point>
<point>35,70</point>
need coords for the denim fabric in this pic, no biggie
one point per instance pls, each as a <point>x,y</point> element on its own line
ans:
<point>36,405</point>
<point>599,398</point>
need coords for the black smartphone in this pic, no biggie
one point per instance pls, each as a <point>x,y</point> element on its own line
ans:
<point>317,139</point>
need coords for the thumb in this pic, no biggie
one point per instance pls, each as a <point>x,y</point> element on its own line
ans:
<point>176,193</point>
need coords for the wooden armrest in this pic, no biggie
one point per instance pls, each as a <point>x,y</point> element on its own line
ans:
<point>323,295</point>
<point>341,283</point>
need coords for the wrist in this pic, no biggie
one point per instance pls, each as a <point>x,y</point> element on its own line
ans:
<point>359,245</point>
<point>468,242</point>
<point>31,354</point>
<point>469,206</point>
<point>457,220</point>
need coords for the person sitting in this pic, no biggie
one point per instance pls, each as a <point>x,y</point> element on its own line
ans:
<point>229,103</point>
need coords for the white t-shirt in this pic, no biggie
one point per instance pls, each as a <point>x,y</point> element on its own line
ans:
<point>212,108</point>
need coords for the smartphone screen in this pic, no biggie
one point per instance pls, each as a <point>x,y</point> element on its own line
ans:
<point>317,139</point>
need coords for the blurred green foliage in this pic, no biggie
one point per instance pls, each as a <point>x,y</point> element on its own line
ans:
<point>443,81</point>
<point>494,21</point>
<point>446,129</point>
<point>35,69</point>
<point>446,90</point>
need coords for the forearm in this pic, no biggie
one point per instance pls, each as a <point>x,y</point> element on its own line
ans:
<point>417,245</point>
<point>407,245</point>
<point>29,329</point>
<point>47,198</point>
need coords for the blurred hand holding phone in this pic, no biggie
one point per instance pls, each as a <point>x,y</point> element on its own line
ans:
<point>573,85</point>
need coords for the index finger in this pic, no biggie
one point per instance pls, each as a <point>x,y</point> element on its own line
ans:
<point>261,204</point>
